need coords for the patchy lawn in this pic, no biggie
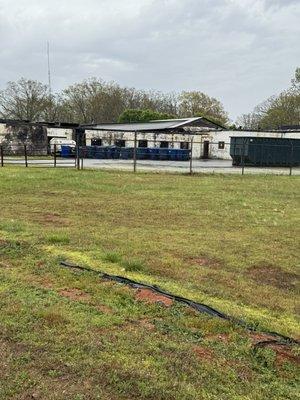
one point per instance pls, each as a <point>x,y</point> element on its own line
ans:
<point>231,242</point>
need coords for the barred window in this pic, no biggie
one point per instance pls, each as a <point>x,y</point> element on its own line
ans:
<point>164,145</point>
<point>96,142</point>
<point>184,145</point>
<point>143,143</point>
<point>120,143</point>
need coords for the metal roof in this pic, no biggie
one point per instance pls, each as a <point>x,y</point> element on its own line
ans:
<point>157,125</point>
<point>65,125</point>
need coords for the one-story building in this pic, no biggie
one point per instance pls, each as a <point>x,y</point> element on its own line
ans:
<point>206,138</point>
<point>14,134</point>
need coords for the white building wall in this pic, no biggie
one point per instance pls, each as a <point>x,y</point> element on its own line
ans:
<point>213,137</point>
<point>60,133</point>
<point>109,138</point>
<point>51,132</point>
<point>2,132</point>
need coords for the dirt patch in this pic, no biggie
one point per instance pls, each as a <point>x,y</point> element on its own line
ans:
<point>4,265</point>
<point>40,264</point>
<point>203,353</point>
<point>34,396</point>
<point>4,354</point>
<point>273,276</point>
<point>222,337</point>
<point>147,324</point>
<point>205,262</point>
<point>284,353</point>
<point>51,193</point>
<point>104,309</point>
<point>75,294</point>
<point>243,372</point>
<point>46,283</point>
<point>50,219</point>
<point>257,337</point>
<point>149,296</point>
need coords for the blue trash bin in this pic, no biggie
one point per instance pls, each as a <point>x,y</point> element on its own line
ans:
<point>173,154</point>
<point>65,151</point>
<point>126,153</point>
<point>164,154</point>
<point>185,155</point>
<point>115,152</point>
<point>109,152</point>
<point>154,153</point>
<point>99,152</point>
<point>90,151</point>
<point>142,153</point>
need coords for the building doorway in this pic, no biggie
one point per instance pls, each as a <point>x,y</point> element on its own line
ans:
<point>205,150</point>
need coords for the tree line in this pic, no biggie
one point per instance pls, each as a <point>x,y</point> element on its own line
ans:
<point>277,111</point>
<point>94,101</point>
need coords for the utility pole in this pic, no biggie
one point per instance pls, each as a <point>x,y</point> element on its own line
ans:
<point>49,71</point>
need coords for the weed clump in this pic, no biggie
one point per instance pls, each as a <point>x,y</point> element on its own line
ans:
<point>133,266</point>
<point>58,238</point>
<point>128,265</point>
<point>12,226</point>
<point>112,257</point>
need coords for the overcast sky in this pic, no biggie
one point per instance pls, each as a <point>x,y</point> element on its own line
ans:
<point>239,51</point>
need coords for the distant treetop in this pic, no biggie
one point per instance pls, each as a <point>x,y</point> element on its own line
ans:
<point>137,115</point>
<point>96,101</point>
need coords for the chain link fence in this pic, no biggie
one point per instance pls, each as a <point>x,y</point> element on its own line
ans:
<point>34,156</point>
<point>194,155</point>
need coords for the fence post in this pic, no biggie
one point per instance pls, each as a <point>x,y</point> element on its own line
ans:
<point>1,155</point>
<point>54,155</point>
<point>77,156</point>
<point>25,155</point>
<point>292,158</point>
<point>243,157</point>
<point>134,152</point>
<point>191,157</point>
<point>201,148</point>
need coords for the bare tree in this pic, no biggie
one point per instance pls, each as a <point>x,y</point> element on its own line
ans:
<point>94,100</point>
<point>197,103</point>
<point>27,99</point>
<point>248,121</point>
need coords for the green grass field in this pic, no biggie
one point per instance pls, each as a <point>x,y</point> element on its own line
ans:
<point>231,242</point>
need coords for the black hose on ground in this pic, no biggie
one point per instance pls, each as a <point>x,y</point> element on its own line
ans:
<point>200,307</point>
